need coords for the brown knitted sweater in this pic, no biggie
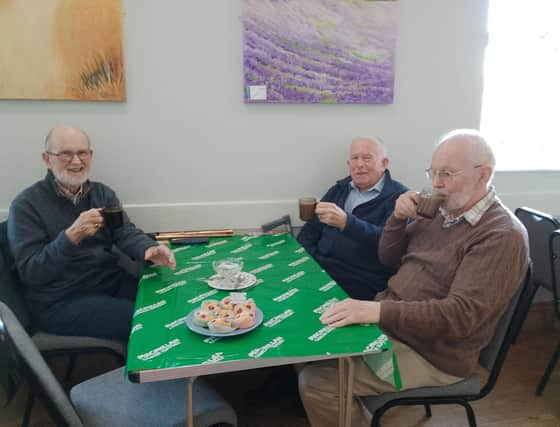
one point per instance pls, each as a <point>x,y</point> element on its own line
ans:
<point>452,285</point>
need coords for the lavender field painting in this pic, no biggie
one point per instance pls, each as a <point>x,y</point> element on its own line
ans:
<point>319,51</point>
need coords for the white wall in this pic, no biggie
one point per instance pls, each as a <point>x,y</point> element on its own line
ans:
<point>185,152</point>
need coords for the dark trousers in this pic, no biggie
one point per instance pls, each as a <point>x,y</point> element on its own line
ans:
<point>107,314</point>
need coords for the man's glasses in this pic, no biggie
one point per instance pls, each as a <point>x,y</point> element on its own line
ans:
<point>444,174</point>
<point>67,156</point>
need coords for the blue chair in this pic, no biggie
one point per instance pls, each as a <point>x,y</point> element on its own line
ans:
<point>110,399</point>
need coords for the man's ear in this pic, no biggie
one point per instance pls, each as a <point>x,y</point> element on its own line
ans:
<point>46,159</point>
<point>485,174</point>
<point>385,162</point>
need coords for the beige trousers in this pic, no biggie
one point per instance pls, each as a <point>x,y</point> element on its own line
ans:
<point>318,385</point>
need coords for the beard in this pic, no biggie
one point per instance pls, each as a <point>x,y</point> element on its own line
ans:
<point>69,181</point>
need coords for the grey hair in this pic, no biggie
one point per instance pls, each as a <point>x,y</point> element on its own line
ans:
<point>481,151</point>
<point>377,141</point>
<point>49,138</point>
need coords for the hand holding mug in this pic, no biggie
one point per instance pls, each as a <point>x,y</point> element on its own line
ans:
<point>85,226</point>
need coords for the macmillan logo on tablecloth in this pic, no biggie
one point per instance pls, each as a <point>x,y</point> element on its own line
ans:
<point>299,251</point>
<point>278,243</point>
<point>211,340</point>
<point>376,345</point>
<point>325,306</point>
<point>241,248</point>
<point>203,296</point>
<point>187,269</point>
<point>261,268</point>
<point>150,307</point>
<point>321,333</point>
<point>215,358</point>
<point>136,328</point>
<point>218,243</point>
<point>204,255</point>
<point>258,352</point>
<point>149,276</point>
<point>293,277</point>
<point>171,287</point>
<point>328,286</point>
<point>247,238</point>
<point>269,255</point>
<point>277,319</point>
<point>286,295</point>
<point>299,261</point>
<point>159,350</point>
<point>180,321</point>
<point>180,249</point>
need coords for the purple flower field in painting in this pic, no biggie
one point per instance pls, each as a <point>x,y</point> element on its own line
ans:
<point>320,51</point>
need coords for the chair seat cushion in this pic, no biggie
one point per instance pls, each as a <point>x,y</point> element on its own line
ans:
<point>467,387</point>
<point>111,399</point>
<point>50,342</point>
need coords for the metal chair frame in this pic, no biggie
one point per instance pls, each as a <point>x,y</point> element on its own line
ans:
<point>512,329</point>
<point>554,253</point>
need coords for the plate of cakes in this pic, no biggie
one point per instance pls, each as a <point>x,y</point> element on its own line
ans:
<point>224,318</point>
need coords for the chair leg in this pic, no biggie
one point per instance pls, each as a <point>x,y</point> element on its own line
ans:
<point>70,368</point>
<point>548,371</point>
<point>470,413</point>
<point>28,408</point>
<point>428,410</point>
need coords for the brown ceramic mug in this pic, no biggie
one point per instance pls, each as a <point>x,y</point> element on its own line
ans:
<point>429,203</point>
<point>307,208</point>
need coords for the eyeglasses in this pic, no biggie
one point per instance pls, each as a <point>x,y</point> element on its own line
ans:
<point>444,174</point>
<point>67,156</point>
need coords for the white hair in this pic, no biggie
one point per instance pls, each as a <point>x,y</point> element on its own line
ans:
<point>481,151</point>
<point>377,141</point>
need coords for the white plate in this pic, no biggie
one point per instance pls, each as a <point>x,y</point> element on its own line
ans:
<point>205,331</point>
<point>246,281</point>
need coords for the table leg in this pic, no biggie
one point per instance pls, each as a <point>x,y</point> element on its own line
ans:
<point>189,418</point>
<point>341,391</point>
<point>345,387</point>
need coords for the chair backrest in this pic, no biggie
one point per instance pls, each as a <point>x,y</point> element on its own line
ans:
<point>31,365</point>
<point>492,357</point>
<point>554,244</point>
<point>539,226</point>
<point>11,289</point>
<point>283,221</point>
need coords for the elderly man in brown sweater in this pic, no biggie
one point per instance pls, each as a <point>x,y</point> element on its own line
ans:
<point>457,274</point>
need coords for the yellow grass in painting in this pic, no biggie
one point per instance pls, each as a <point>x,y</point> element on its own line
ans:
<point>88,44</point>
<point>61,49</point>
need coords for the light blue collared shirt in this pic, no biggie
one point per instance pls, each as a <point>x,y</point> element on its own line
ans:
<point>357,197</point>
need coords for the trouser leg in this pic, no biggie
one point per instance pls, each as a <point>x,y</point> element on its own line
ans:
<point>318,384</point>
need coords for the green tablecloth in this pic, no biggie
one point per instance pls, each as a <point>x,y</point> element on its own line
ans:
<point>292,292</point>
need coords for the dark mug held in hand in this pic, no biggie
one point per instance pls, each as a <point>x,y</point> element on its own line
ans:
<point>113,217</point>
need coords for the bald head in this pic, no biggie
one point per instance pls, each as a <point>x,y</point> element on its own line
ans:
<point>475,147</point>
<point>64,133</point>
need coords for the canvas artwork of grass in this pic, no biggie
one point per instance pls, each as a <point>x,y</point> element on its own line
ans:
<point>319,51</point>
<point>61,49</point>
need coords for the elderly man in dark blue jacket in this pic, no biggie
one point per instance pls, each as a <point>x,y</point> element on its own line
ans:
<point>62,246</point>
<point>344,234</point>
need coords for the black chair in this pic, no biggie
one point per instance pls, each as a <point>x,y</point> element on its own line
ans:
<point>492,358</point>
<point>50,345</point>
<point>284,222</point>
<point>539,227</point>
<point>554,245</point>
<point>110,399</point>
